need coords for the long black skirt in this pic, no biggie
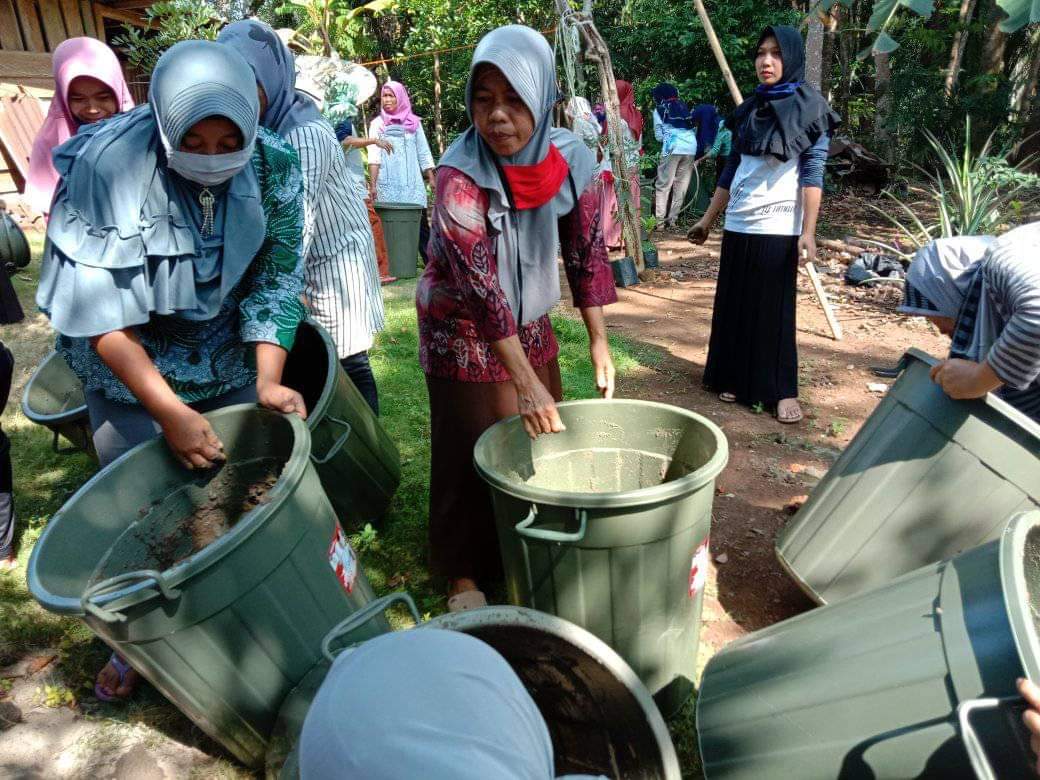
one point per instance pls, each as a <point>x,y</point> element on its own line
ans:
<point>752,353</point>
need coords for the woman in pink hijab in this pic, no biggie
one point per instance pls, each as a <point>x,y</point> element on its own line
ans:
<point>398,176</point>
<point>89,87</point>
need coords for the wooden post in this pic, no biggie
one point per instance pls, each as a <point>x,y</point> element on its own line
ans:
<point>720,56</point>
<point>437,126</point>
<point>825,304</point>
<point>596,51</point>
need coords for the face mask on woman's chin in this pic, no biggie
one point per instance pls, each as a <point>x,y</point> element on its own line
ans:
<point>209,170</point>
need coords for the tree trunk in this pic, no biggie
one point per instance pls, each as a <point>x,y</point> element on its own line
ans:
<point>1024,76</point>
<point>438,127</point>
<point>996,42</point>
<point>960,41</point>
<point>830,45</point>
<point>814,52</point>
<point>883,101</point>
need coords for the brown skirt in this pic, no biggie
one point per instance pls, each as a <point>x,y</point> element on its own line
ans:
<point>463,538</point>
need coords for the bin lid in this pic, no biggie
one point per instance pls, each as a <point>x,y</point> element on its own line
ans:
<point>616,694</point>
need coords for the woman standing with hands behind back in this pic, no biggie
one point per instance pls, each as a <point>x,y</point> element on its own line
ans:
<point>770,188</point>
<point>511,190</point>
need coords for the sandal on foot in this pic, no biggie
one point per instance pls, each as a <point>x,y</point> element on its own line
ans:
<point>790,419</point>
<point>123,669</point>
<point>727,398</point>
<point>387,279</point>
<point>468,599</point>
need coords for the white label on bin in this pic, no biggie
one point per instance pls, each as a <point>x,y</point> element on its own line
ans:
<point>343,560</point>
<point>699,569</point>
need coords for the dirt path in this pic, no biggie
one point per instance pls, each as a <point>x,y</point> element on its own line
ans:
<point>771,465</point>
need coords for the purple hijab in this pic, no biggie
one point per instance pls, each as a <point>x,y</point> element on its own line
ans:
<point>402,115</point>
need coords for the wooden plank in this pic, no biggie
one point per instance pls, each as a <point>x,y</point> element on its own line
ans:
<point>16,66</point>
<point>86,11</point>
<point>126,17</point>
<point>821,296</point>
<point>73,22</point>
<point>10,35</point>
<point>32,33</point>
<point>21,118</point>
<point>53,24</point>
<point>131,5</point>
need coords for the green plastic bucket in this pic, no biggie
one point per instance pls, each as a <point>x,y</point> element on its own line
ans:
<point>401,229</point>
<point>913,679</point>
<point>606,525</point>
<point>226,633</point>
<point>925,478</point>
<point>356,459</point>
<point>54,398</point>
<point>601,718</point>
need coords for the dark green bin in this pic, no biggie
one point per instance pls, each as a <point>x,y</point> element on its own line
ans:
<point>925,478</point>
<point>356,459</point>
<point>914,679</point>
<point>606,525</point>
<point>54,398</point>
<point>226,633</point>
<point>601,718</point>
<point>401,230</point>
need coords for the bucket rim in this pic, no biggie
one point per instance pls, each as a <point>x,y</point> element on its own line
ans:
<point>1016,590</point>
<point>398,206</point>
<point>507,615</point>
<point>41,418</point>
<point>194,565</point>
<point>665,491</point>
<point>994,402</point>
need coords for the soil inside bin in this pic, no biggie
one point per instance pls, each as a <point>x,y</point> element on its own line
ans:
<point>189,520</point>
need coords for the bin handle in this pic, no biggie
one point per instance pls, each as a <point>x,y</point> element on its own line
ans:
<point>337,445</point>
<point>106,586</point>
<point>976,751</point>
<point>362,616</point>
<point>560,537</point>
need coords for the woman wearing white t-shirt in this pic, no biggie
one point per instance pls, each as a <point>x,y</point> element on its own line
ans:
<point>771,190</point>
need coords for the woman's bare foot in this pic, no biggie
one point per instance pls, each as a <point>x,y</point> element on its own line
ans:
<point>116,680</point>
<point>8,564</point>
<point>463,594</point>
<point>789,411</point>
<point>461,585</point>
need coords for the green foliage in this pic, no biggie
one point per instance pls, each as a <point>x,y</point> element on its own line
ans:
<point>974,194</point>
<point>333,25</point>
<point>170,22</point>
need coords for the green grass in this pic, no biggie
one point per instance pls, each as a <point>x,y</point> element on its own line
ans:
<point>393,558</point>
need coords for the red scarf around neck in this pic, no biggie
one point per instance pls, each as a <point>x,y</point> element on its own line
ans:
<point>535,185</point>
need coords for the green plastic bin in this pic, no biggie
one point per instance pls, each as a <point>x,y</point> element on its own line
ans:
<point>226,633</point>
<point>914,679</point>
<point>601,718</point>
<point>356,459</point>
<point>401,229</point>
<point>606,525</point>
<point>54,399</point>
<point>925,478</point>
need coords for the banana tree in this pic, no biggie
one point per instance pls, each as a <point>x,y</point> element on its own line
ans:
<point>329,26</point>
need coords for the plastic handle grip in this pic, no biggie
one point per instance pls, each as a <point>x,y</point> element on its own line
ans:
<point>560,537</point>
<point>336,445</point>
<point>107,586</point>
<point>362,616</point>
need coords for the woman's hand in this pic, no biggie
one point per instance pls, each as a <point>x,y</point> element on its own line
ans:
<point>699,232</point>
<point>1031,717</point>
<point>383,144</point>
<point>806,249</point>
<point>191,438</point>
<point>280,398</point>
<point>963,379</point>
<point>538,409</point>
<point>603,366</point>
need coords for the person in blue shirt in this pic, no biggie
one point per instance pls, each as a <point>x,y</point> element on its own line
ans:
<point>674,128</point>
<point>771,188</point>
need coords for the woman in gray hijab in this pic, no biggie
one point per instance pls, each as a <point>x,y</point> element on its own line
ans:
<point>511,190</point>
<point>984,293</point>
<point>159,312</point>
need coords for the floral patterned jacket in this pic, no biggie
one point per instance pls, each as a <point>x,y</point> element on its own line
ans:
<point>460,303</point>
<point>204,359</point>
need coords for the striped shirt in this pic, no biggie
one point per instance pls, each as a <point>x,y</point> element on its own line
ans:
<point>341,281</point>
<point>1009,277</point>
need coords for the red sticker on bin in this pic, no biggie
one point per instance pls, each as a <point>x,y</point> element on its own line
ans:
<point>699,569</point>
<point>343,560</point>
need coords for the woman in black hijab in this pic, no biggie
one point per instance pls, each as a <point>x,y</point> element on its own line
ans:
<point>771,190</point>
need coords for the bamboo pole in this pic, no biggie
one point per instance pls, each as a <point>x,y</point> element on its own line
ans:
<point>596,51</point>
<point>825,304</point>
<point>716,48</point>
<point>437,126</point>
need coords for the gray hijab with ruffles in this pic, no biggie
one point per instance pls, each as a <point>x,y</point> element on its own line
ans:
<point>527,239</point>
<point>275,69</point>
<point>124,240</point>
